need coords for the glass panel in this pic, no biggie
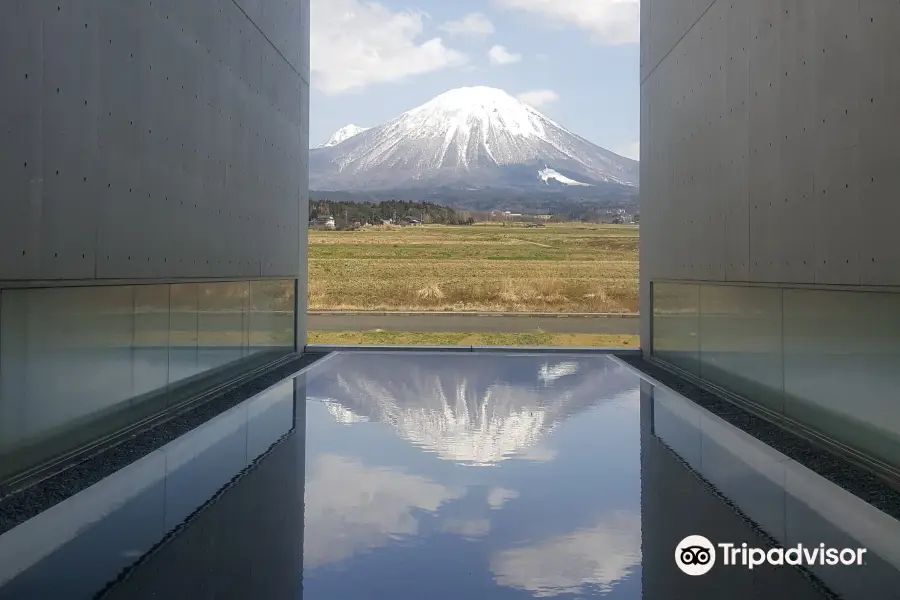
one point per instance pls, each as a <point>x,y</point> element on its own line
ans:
<point>66,363</point>
<point>676,324</point>
<point>13,344</point>
<point>841,353</point>
<point>183,330</point>
<point>82,363</point>
<point>221,323</point>
<point>740,341</point>
<point>271,315</point>
<point>151,338</point>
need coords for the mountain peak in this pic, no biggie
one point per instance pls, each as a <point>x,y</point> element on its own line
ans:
<point>344,133</point>
<point>468,97</point>
<point>485,108</point>
<point>468,138</point>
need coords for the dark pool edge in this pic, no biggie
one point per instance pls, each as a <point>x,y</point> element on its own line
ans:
<point>22,505</point>
<point>128,571</point>
<point>770,542</point>
<point>831,466</point>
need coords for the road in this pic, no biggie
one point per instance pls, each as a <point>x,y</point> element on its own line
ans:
<point>473,322</point>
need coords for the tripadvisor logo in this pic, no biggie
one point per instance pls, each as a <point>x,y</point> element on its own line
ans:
<point>696,555</point>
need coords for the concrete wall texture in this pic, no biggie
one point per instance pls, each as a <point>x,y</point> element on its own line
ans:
<point>153,139</point>
<point>769,262</point>
<point>153,200</point>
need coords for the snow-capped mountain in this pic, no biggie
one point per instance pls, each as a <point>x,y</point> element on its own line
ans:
<point>342,134</point>
<point>469,138</point>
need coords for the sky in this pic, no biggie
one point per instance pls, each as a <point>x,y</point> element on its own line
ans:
<point>577,61</point>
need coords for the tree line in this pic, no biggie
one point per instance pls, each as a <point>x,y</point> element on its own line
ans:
<point>348,213</point>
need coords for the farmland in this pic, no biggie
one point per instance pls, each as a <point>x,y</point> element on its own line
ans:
<point>557,268</point>
<point>528,338</point>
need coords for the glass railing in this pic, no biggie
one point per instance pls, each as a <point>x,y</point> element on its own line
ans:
<point>804,354</point>
<point>80,363</point>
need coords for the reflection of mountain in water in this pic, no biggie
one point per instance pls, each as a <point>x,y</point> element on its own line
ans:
<point>465,408</point>
<point>341,414</point>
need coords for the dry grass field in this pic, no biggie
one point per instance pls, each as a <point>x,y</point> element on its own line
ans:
<point>557,268</point>
<point>532,338</point>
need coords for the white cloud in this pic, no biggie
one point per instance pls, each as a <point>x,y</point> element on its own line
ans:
<point>499,496</point>
<point>474,24</point>
<point>355,44</point>
<point>600,556</point>
<point>631,150</point>
<point>469,529</point>
<point>538,98</point>
<point>351,507</point>
<point>499,55</point>
<point>611,21</point>
<point>538,454</point>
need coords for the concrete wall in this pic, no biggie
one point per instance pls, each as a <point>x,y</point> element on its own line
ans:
<point>769,143</point>
<point>153,199</point>
<point>152,139</point>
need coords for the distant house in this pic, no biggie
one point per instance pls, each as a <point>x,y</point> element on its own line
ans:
<point>409,221</point>
<point>326,222</point>
<point>543,217</point>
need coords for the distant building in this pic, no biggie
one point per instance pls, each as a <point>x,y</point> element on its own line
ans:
<point>326,222</point>
<point>543,217</point>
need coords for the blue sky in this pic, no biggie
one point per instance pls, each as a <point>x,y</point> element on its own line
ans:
<point>575,60</point>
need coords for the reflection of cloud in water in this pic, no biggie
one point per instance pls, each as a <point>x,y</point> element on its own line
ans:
<point>538,453</point>
<point>469,409</point>
<point>351,507</point>
<point>467,528</point>
<point>498,496</point>
<point>597,557</point>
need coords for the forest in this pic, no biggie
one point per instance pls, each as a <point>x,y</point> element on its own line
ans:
<point>347,213</point>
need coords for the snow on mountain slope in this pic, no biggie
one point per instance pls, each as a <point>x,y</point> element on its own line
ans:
<point>547,174</point>
<point>467,137</point>
<point>342,134</point>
